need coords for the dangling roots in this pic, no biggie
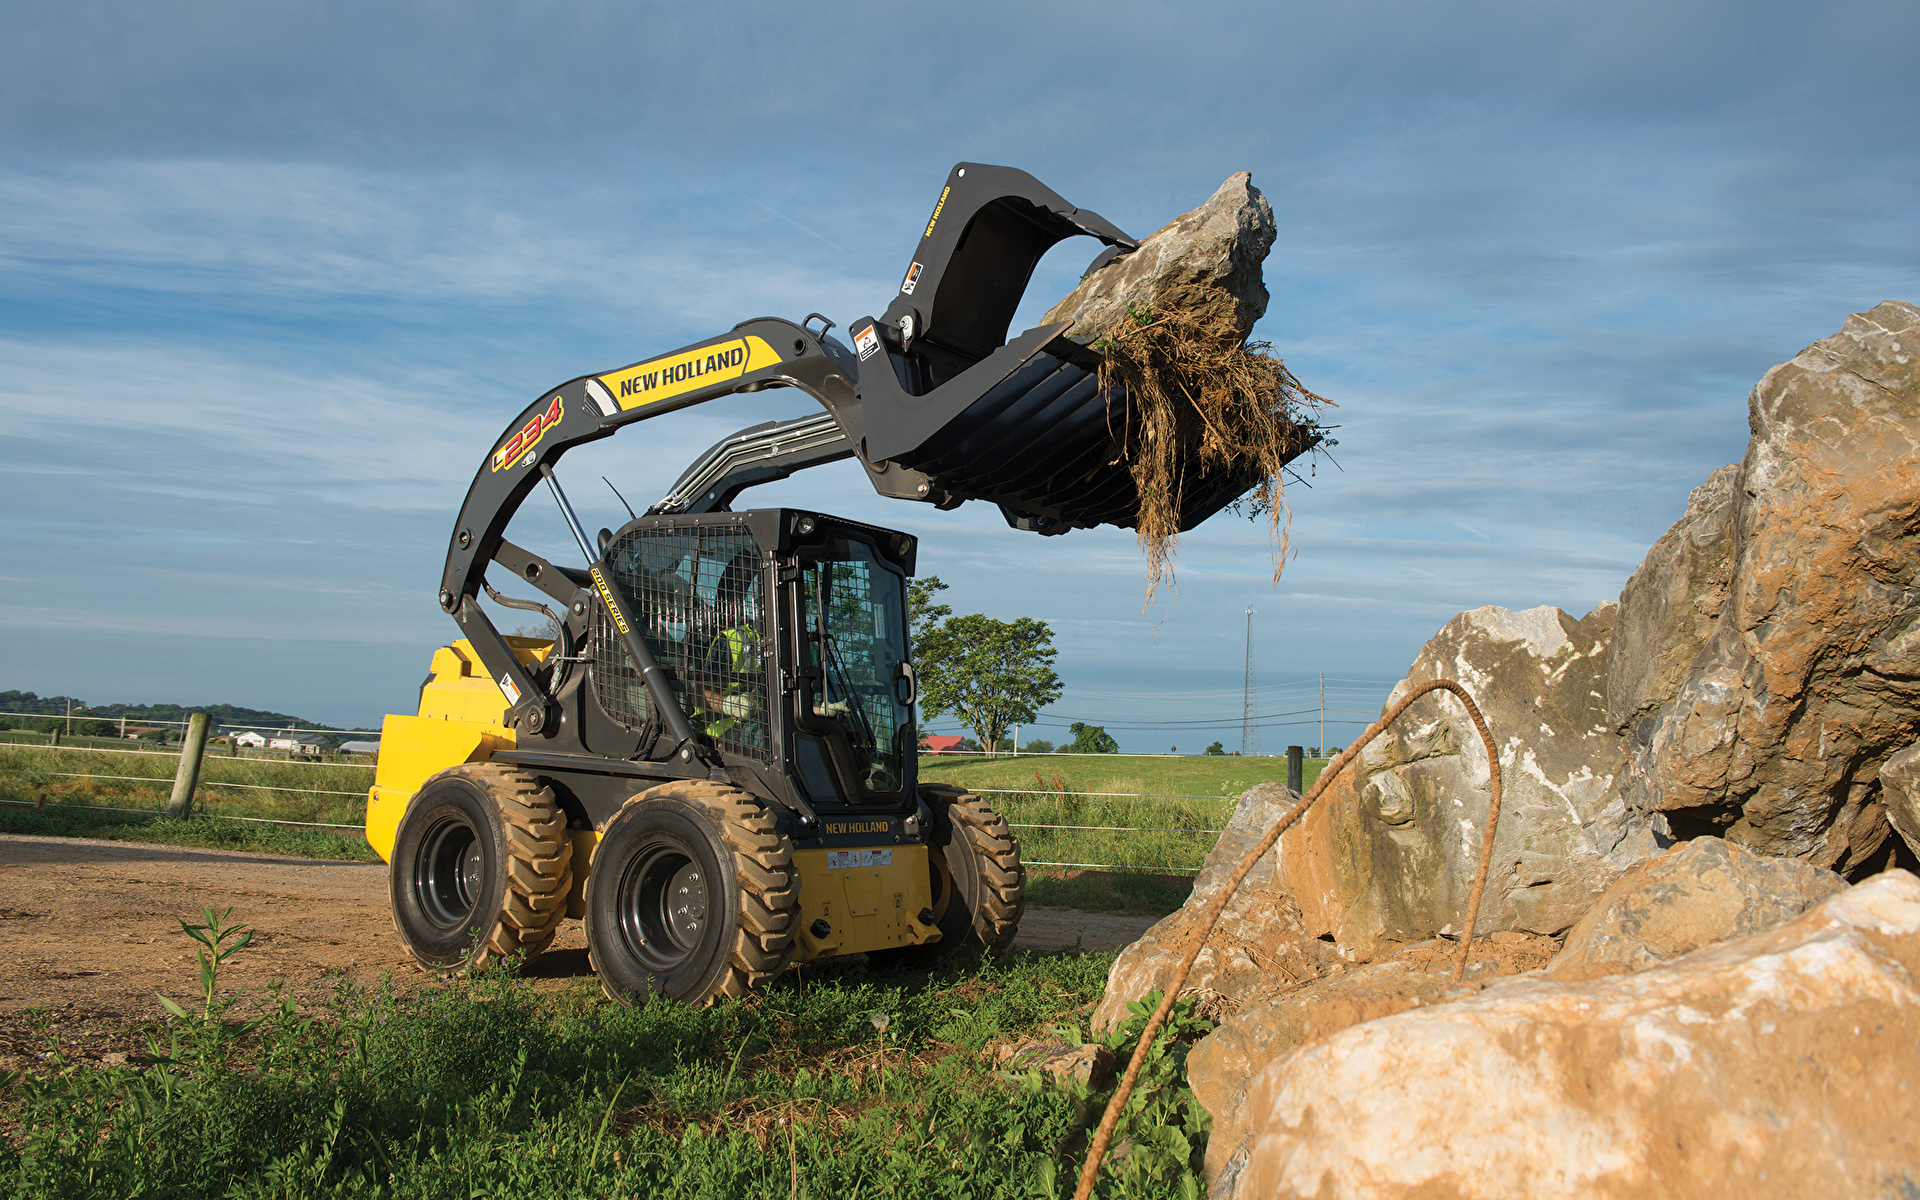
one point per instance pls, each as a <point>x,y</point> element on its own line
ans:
<point>1198,399</point>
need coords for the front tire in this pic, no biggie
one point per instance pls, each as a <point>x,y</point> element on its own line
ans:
<point>481,868</point>
<point>979,884</point>
<point>692,896</point>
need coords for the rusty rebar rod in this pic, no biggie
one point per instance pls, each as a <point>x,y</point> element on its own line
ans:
<point>1111,1118</point>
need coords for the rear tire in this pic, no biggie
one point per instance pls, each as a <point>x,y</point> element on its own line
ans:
<point>481,868</point>
<point>979,885</point>
<point>692,896</point>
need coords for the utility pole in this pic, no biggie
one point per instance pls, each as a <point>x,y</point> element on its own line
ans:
<point>1249,732</point>
<point>1323,714</point>
<point>69,716</point>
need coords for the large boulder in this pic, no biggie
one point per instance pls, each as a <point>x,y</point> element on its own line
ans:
<point>1807,678</point>
<point>1694,895</point>
<point>1900,783</point>
<point>1672,602</point>
<point>1389,855</point>
<point>1206,262</point>
<point>1260,938</point>
<point>1777,1065</point>
<point>1282,1017</point>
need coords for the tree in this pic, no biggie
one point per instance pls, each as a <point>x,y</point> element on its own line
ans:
<point>1091,739</point>
<point>1216,748</point>
<point>990,674</point>
<point>1037,746</point>
<point>923,615</point>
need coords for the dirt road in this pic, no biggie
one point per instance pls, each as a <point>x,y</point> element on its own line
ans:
<point>87,932</point>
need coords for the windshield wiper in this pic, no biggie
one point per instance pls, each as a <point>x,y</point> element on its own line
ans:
<point>865,743</point>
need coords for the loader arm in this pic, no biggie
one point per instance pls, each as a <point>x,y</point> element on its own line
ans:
<point>989,228</point>
<point>934,400</point>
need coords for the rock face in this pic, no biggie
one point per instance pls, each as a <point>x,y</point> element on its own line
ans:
<point>1807,678</point>
<point>1260,938</point>
<point>1206,262</point>
<point>1388,856</point>
<point>1670,606</point>
<point>1284,1017</point>
<point>1694,895</point>
<point>1900,783</point>
<point>1777,1065</point>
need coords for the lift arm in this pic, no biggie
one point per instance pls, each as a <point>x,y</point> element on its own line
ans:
<point>939,352</point>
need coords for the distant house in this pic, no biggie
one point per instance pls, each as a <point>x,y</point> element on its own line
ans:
<point>941,745</point>
<point>142,732</point>
<point>299,743</point>
<point>250,738</point>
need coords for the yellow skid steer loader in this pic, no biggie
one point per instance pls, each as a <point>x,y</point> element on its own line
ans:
<point>713,761</point>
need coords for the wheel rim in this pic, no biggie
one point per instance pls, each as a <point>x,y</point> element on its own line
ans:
<point>662,906</point>
<point>941,879</point>
<point>449,872</point>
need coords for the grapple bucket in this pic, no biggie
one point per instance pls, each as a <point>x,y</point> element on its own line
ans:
<point>1022,424</point>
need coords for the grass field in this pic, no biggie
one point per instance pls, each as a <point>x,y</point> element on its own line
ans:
<point>842,1082</point>
<point>1155,839</point>
<point>1160,813</point>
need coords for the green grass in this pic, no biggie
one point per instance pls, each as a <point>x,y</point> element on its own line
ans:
<point>1164,832</point>
<point>78,782</point>
<point>483,1089</point>
<point>1137,894</point>
<point>303,791</point>
<point>73,820</point>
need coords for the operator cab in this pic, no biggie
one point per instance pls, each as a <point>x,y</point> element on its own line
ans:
<point>783,634</point>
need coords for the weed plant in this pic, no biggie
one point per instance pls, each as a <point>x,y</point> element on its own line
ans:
<point>480,1088</point>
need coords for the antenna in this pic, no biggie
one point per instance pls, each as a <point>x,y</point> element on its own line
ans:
<point>1249,731</point>
<point>619,497</point>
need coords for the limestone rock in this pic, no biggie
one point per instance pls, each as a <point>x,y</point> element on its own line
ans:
<point>1087,1063</point>
<point>1810,677</point>
<point>1283,1017</point>
<point>1777,1065</point>
<point>1900,783</point>
<point>1260,937</point>
<point>1670,605</point>
<point>1694,895</point>
<point>1206,262</point>
<point>1389,855</point>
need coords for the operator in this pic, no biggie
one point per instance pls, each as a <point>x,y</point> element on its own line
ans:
<point>729,699</point>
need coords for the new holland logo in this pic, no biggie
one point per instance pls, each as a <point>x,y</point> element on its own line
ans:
<point>843,827</point>
<point>528,436</point>
<point>687,371</point>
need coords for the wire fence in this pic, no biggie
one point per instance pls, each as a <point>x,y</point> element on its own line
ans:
<point>1122,828</point>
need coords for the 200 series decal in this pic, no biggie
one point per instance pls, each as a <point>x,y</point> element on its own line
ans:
<point>528,436</point>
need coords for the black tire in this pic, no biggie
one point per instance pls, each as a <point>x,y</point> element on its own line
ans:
<point>481,868</point>
<point>692,896</point>
<point>979,886</point>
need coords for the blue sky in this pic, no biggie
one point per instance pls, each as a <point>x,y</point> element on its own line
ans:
<point>274,277</point>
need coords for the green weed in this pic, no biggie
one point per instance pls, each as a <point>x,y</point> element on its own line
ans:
<point>479,1087</point>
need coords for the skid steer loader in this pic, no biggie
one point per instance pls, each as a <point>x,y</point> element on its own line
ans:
<point>713,761</point>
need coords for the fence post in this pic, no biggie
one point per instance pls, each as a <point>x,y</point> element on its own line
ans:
<point>187,776</point>
<point>1297,769</point>
<point>53,736</point>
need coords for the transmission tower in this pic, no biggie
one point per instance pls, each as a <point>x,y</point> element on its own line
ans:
<point>1249,731</point>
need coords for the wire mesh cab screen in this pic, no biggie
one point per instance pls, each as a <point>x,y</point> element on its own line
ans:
<point>696,596</point>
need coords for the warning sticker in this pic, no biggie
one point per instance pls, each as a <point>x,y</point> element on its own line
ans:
<point>506,685</point>
<point>867,342</point>
<point>859,858</point>
<point>911,281</point>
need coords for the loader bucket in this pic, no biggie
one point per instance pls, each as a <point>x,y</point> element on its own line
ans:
<point>1022,424</point>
